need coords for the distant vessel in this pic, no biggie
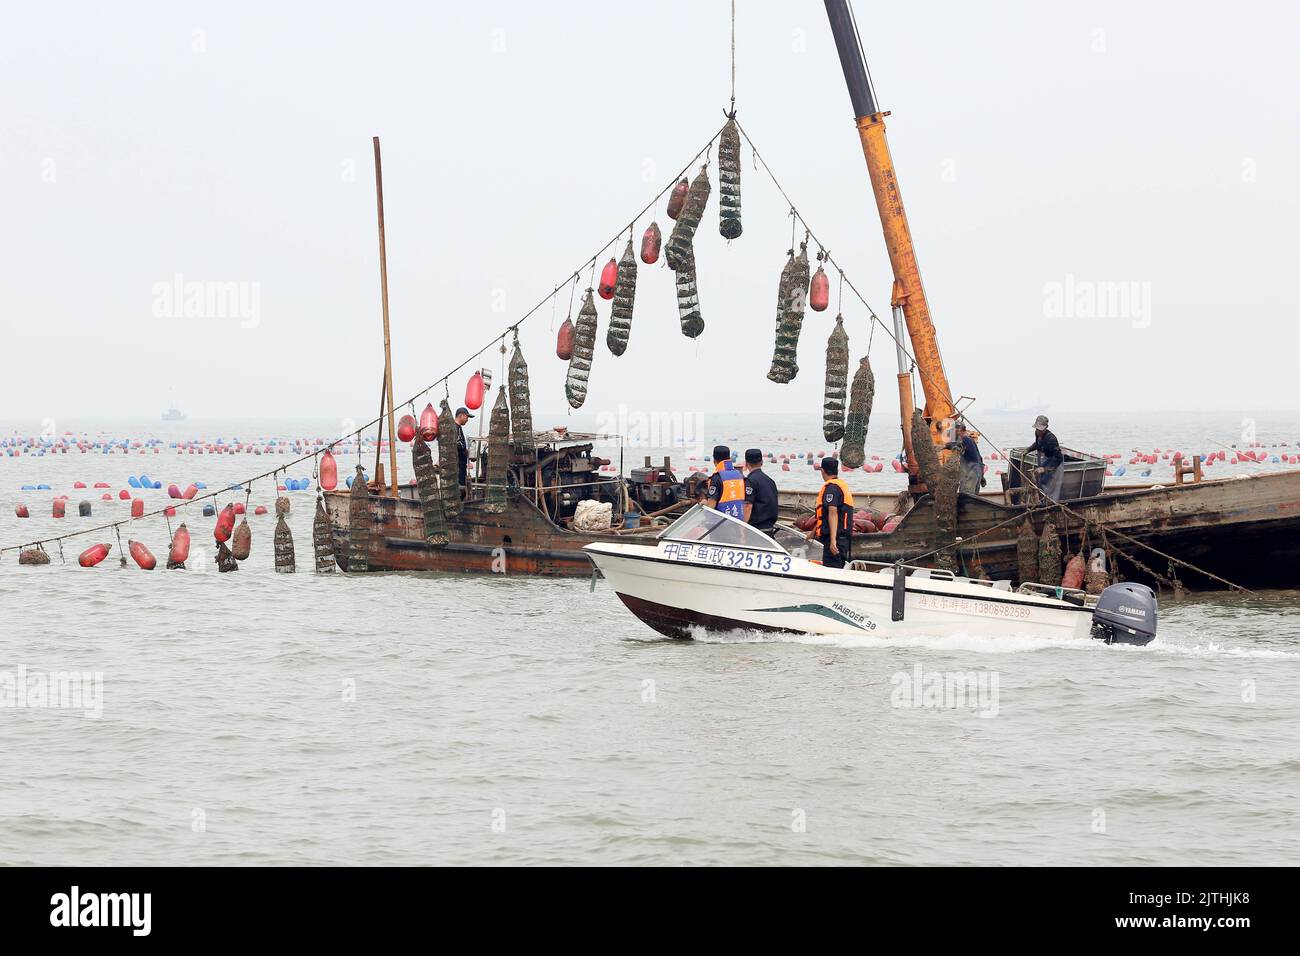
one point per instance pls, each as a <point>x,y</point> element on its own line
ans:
<point>173,414</point>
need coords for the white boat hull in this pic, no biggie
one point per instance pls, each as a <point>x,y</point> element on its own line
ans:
<point>680,599</point>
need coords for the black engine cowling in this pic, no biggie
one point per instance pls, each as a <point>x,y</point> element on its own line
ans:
<point>1125,614</point>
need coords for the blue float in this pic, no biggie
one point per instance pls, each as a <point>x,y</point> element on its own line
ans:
<point>133,481</point>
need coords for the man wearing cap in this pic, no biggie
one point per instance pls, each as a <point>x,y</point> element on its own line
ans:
<point>726,485</point>
<point>462,449</point>
<point>760,493</point>
<point>972,462</point>
<point>1048,474</point>
<point>834,517</point>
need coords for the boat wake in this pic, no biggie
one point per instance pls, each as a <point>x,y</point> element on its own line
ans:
<point>988,644</point>
<point>978,643</point>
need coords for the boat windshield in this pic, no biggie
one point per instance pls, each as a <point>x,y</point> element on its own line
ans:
<point>715,527</point>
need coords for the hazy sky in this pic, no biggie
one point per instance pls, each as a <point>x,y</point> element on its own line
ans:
<point>1042,149</point>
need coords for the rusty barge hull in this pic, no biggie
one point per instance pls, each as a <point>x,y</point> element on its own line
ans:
<point>1246,530</point>
<point>519,540</point>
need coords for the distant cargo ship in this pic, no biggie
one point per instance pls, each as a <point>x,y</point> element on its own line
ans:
<point>173,414</point>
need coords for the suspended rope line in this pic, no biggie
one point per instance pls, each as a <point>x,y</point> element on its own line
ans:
<point>444,380</point>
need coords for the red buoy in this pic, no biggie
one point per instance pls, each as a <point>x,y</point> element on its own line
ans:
<point>225,524</point>
<point>93,555</point>
<point>190,492</point>
<point>608,279</point>
<point>58,507</point>
<point>78,484</point>
<point>677,198</point>
<point>137,508</point>
<point>106,497</point>
<point>819,294</point>
<point>124,494</point>
<point>173,491</point>
<point>170,511</point>
<point>239,508</point>
<point>428,423</point>
<point>564,341</point>
<point>21,511</point>
<point>1073,576</point>
<point>180,549</point>
<point>474,392</point>
<point>406,428</point>
<point>142,556</point>
<point>650,244</point>
<point>329,471</point>
<point>260,510</point>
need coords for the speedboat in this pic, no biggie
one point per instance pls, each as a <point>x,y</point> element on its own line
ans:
<point>710,572</point>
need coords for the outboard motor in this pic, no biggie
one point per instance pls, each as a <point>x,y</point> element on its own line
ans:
<point>1125,614</point>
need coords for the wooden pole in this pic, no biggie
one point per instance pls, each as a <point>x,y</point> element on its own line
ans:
<point>379,439</point>
<point>388,351</point>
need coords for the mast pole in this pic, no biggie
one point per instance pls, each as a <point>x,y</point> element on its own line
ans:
<point>909,293</point>
<point>388,349</point>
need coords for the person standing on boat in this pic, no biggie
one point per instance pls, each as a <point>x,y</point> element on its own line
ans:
<point>972,462</point>
<point>1049,472</point>
<point>760,493</point>
<point>726,485</point>
<point>834,517</point>
<point>462,449</point>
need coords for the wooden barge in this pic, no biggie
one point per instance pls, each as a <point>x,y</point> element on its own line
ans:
<point>1245,529</point>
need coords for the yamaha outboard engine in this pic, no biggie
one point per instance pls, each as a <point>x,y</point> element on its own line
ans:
<point>1125,614</point>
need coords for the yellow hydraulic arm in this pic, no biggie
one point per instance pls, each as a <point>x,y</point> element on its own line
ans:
<point>909,293</point>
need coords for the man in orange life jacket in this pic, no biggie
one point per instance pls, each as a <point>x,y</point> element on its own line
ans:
<point>726,485</point>
<point>834,524</point>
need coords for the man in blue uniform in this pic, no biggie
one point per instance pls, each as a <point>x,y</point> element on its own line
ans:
<point>760,493</point>
<point>726,485</point>
<point>833,526</point>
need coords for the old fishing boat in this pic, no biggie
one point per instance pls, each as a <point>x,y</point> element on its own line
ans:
<point>523,515</point>
<point>533,533</point>
<point>709,572</point>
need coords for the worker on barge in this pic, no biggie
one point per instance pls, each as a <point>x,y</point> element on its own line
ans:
<point>462,449</point>
<point>972,462</point>
<point>1049,473</point>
